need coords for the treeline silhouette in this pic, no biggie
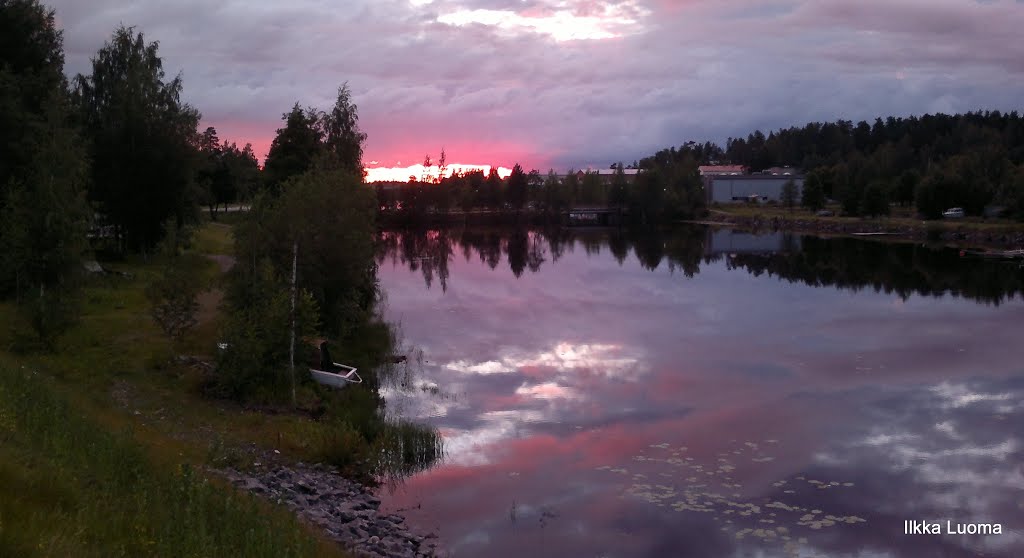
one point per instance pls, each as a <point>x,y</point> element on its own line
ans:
<point>842,263</point>
<point>656,195</point>
<point>933,162</point>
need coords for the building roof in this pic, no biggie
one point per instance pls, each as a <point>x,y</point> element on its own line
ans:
<point>758,177</point>
<point>722,169</point>
<point>781,170</point>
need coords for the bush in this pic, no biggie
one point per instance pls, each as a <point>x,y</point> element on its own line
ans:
<point>876,200</point>
<point>254,367</point>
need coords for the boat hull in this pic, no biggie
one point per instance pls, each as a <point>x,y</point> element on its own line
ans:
<point>339,380</point>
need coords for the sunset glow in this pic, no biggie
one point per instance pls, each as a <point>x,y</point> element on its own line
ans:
<point>402,174</point>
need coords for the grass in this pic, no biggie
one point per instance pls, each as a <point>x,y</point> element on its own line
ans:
<point>103,442</point>
<point>73,488</point>
<point>213,238</point>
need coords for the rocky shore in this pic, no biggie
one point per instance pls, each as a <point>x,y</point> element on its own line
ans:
<point>960,234</point>
<point>346,511</point>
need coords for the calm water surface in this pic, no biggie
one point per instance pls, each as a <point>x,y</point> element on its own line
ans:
<point>708,394</point>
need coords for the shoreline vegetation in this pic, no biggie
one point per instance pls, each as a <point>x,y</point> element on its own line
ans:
<point>117,410</point>
<point>994,235</point>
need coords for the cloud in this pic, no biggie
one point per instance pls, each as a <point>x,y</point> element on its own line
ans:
<point>573,82</point>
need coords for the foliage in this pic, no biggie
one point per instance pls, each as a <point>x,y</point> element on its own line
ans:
<point>330,214</point>
<point>141,137</point>
<point>813,194</point>
<point>173,294</point>
<point>343,140</point>
<point>517,188</point>
<point>876,199</point>
<point>31,81</point>
<point>970,157</point>
<point>790,194</point>
<point>331,140</point>
<point>294,147</point>
<point>255,364</point>
<point>932,195</point>
<point>225,173</point>
<point>43,214</point>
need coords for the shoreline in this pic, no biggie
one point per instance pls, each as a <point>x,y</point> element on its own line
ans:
<point>346,511</point>
<point>959,235</point>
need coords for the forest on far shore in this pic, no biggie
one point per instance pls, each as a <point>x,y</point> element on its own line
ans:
<point>931,163</point>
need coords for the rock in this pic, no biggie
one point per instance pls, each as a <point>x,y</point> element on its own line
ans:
<point>346,511</point>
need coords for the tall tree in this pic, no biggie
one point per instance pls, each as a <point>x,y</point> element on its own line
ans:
<point>294,147</point>
<point>142,139</point>
<point>43,172</point>
<point>813,194</point>
<point>516,189</point>
<point>343,139</point>
<point>492,194</point>
<point>330,139</point>
<point>31,73</point>
<point>790,194</point>
<point>876,199</point>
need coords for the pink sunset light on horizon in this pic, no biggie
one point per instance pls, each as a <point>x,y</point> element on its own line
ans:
<point>242,133</point>
<point>402,174</point>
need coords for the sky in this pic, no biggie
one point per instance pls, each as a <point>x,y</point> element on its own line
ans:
<point>566,83</point>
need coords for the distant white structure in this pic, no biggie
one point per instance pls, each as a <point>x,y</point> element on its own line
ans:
<point>760,188</point>
<point>721,170</point>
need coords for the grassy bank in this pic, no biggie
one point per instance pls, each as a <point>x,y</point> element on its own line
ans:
<point>104,442</point>
<point>902,223</point>
<point>73,488</point>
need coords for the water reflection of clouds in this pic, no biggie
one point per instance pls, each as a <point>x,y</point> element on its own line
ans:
<point>951,451</point>
<point>587,364</point>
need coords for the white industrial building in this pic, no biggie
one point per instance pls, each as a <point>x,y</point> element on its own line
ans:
<point>749,187</point>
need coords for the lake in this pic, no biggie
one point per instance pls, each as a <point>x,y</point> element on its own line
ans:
<point>707,393</point>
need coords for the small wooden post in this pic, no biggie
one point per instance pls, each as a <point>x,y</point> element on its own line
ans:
<point>291,350</point>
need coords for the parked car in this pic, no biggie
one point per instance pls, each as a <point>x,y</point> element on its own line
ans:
<point>953,213</point>
<point>825,213</point>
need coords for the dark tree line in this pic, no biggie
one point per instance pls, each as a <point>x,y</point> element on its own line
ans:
<point>659,193</point>
<point>43,172</point>
<point>932,162</point>
<point>113,155</point>
<point>116,156</point>
<point>225,173</point>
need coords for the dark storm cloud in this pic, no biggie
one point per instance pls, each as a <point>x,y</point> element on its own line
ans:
<point>492,92</point>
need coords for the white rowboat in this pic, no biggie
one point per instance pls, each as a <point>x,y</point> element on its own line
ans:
<point>339,378</point>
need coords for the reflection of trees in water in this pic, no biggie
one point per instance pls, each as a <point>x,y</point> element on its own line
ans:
<point>649,249</point>
<point>618,244</point>
<point>844,263</point>
<point>427,251</point>
<point>518,244</point>
<point>902,269</point>
<point>686,249</point>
